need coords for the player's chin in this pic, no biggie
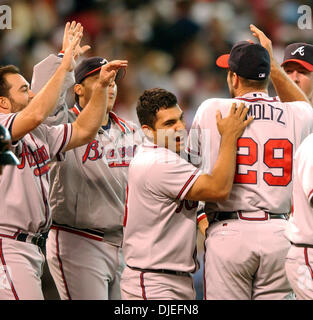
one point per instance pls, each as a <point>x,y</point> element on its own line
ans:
<point>180,146</point>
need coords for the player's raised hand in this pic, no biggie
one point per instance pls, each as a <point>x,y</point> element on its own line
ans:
<point>68,61</point>
<point>235,123</point>
<point>109,70</point>
<point>70,30</point>
<point>264,40</point>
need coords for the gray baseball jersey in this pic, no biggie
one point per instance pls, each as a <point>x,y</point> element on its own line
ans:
<point>88,189</point>
<point>299,260</point>
<point>265,150</point>
<point>25,188</point>
<point>300,225</point>
<point>249,244</point>
<point>160,226</point>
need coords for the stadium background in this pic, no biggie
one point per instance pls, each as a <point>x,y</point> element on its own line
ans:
<point>168,43</point>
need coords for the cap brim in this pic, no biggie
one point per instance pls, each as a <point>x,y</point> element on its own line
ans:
<point>304,64</point>
<point>222,61</point>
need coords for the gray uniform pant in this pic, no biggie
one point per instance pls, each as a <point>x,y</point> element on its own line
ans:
<point>137,285</point>
<point>244,260</point>
<point>21,267</point>
<point>83,268</point>
<point>299,269</point>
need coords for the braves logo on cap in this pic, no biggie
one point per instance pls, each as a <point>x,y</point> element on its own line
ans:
<point>300,50</point>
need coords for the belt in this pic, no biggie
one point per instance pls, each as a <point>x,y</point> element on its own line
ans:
<point>39,240</point>
<point>177,273</point>
<point>220,216</point>
<point>302,245</point>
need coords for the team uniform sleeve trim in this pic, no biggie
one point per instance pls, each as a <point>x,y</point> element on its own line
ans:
<point>66,138</point>
<point>310,196</point>
<point>201,216</point>
<point>182,191</point>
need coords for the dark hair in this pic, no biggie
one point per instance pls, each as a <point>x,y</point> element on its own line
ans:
<point>4,86</point>
<point>253,84</point>
<point>150,102</point>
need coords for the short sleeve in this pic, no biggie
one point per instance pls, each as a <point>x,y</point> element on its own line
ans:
<point>173,178</point>
<point>58,138</point>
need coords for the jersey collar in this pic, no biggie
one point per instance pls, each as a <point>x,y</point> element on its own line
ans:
<point>257,96</point>
<point>147,143</point>
<point>123,125</point>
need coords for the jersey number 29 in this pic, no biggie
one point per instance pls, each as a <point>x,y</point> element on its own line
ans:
<point>284,161</point>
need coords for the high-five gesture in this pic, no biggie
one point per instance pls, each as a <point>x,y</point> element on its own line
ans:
<point>109,71</point>
<point>69,32</point>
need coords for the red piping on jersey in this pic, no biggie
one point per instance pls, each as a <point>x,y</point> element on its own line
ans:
<point>61,265</point>
<point>123,125</point>
<point>306,258</point>
<point>13,115</point>
<point>310,194</point>
<point>6,272</point>
<point>201,217</point>
<point>186,184</point>
<point>126,208</point>
<point>79,233</point>
<point>64,138</point>
<point>257,99</point>
<point>143,286</point>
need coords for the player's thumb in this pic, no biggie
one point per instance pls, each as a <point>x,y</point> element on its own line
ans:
<point>218,116</point>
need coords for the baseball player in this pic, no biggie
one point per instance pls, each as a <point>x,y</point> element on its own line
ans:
<point>298,64</point>
<point>245,243</point>
<point>25,213</point>
<point>299,261</point>
<point>88,194</point>
<point>163,191</point>
<point>7,157</point>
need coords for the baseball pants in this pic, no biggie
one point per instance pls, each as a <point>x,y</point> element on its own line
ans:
<point>299,270</point>
<point>83,268</point>
<point>137,285</point>
<point>244,260</point>
<point>21,267</point>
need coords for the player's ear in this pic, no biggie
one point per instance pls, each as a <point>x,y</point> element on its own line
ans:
<point>235,80</point>
<point>147,131</point>
<point>78,89</point>
<point>5,104</point>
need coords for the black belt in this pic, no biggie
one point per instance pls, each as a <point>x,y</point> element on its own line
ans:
<point>220,216</point>
<point>302,245</point>
<point>177,273</point>
<point>39,240</point>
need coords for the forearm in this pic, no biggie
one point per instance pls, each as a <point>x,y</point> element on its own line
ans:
<point>40,106</point>
<point>225,166</point>
<point>90,119</point>
<point>285,88</point>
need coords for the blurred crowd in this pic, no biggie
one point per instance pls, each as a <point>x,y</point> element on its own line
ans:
<point>169,43</point>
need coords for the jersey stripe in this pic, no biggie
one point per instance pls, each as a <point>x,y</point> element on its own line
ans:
<point>143,286</point>
<point>186,184</point>
<point>307,261</point>
<point>310,194</point>
<point>7,272</point>
<point>61,265</point>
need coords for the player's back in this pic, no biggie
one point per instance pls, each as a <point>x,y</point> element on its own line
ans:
<point>263,179</point>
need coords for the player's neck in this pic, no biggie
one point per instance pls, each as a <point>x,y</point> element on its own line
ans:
<point>242,91</point>
<point>106,119</point>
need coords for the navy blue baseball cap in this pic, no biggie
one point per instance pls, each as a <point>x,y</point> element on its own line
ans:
<point>90,66</point>
<point>301,53</point>
<point>248,60</point>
